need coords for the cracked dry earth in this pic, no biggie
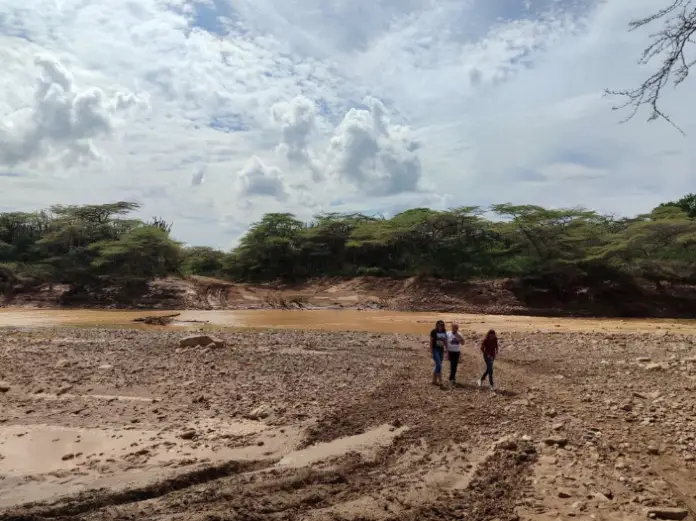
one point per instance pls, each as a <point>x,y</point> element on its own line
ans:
<point>290,425</point>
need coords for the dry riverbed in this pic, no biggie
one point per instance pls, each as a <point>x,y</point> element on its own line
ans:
<point>290,425</point>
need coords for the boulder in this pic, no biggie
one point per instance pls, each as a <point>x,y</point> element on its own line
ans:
<point>201,341</point>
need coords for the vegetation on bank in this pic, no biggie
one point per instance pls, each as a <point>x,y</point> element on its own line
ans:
<point>91,248</point>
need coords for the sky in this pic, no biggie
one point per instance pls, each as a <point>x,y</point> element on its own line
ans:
<point>211,113</point>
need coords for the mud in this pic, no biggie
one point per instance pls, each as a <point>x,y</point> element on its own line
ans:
<point>123,424</point>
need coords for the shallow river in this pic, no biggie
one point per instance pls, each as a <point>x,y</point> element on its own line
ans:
<point>382,321</point>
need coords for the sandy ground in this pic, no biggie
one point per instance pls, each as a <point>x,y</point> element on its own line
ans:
<point>291,425</point>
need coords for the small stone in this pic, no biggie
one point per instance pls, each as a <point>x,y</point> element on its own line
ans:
<point>188,435</point>
<point>654,451</point>
<point>4,387</point>
<point>557,442</point>
<point>564,494</point>
<point>655,367</point>
<point>643,359</point>
<point>675,514</point>
<point>557,427</point>
<point>261,412</point>
<point>601,497</point>
<point>200,340</point>
<point>689,457</point>
<point>106,367</point>
<point>68,456</point>
<point>507,445</point>
<point>64,389</point>
<point>60,364</point>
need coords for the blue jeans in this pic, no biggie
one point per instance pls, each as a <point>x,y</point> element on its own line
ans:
<point>438,355</point>
<point>489,369</point>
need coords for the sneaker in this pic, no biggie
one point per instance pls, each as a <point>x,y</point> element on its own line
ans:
<point>492,389</point>
<point>479,382</point>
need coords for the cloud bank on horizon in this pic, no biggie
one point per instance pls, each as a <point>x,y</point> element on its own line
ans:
<point>213,112</point>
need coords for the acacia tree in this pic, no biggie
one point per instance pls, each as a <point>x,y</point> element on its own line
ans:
<point>671,44</point>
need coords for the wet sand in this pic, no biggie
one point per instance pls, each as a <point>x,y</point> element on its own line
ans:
<point>286,424</point>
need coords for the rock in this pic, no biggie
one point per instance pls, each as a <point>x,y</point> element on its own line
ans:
<point>676,514</point>
<point>188,435</point>
<point>201,340</point>
<point>67,457</point>
<point>4,387</point>
<point>643,359</point>
<point>564,494</point>
<point>60,364</point>
<point>654,451</point>
<point>556,442</point>
<point>261,412</point>
<point>64,389</point>
<point>557,427</point>
<point>507,444</point>
<point>689,457</point>
<point>578,505</point>
<point>655,367</point>
<point>106,367</point>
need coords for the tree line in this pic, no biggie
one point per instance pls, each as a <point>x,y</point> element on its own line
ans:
<point>94,247</point>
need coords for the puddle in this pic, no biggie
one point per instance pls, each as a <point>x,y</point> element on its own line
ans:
<point>341,320</point>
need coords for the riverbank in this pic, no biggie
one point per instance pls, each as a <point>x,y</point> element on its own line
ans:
<point>325,425</point>
<point>491,297</point>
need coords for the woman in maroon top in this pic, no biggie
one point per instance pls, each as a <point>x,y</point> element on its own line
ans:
<point>489,348</point>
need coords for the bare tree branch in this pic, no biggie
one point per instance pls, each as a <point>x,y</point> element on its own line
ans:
<point>671,45</point>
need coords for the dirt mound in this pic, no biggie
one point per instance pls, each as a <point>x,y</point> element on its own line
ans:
<point>499,297</point>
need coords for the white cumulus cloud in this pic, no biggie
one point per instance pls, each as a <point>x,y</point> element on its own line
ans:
<point>348,105</point>
<point>374,155</point>
<point>257,179</point>
<point>62,120</point>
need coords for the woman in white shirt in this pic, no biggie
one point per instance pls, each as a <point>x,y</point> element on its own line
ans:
<point>454,349</point>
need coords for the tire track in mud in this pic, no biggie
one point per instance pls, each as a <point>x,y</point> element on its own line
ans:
<point>94,500</point>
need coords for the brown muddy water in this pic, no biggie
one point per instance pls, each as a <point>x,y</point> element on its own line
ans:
<point>334,320</point>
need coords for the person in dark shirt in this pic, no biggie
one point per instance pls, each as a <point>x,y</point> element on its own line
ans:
<point>489,348</point>
<point>438,344</point>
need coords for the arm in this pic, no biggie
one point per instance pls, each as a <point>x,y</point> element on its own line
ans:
<point>432,339</point>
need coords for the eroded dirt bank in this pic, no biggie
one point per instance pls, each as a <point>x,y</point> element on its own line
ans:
<point>121,424</point>
<point>497,297</point>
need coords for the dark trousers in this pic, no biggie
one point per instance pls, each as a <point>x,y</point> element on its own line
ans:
<point>454,362</point>
<point>489,369</point>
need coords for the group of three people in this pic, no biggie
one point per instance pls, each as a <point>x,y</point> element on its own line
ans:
<point>450,342</point>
